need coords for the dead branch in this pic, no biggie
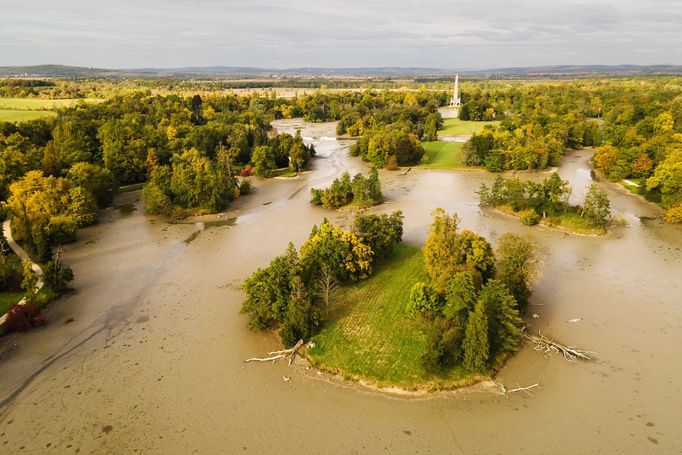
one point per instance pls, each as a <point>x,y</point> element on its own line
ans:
<point>522,389</point>
<point>276,355</point>
<point>294,350</point>
<point>550,347</point>
<point>265,359</point>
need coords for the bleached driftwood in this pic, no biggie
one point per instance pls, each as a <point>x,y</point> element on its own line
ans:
<point>550,347</point>
<point>276,355</point>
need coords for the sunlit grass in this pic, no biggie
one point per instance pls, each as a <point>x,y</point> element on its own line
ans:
<point>23,116</point>
<point>443,155</point>
<point>457,127</point>
<point>370,337</point>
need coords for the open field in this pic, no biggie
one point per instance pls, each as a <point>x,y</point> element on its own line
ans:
<point>443,155</point>
<point>7,115</point>
<point>370,337</point>
<point>457,127</point>
<point>34,104</point>
<point>24,109</point>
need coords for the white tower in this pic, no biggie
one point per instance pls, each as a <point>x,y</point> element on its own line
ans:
<point>455,101</point>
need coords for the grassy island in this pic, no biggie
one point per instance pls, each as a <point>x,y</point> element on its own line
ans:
<point>368,336</point>
<point>393,315</point>
<point>546,203</point>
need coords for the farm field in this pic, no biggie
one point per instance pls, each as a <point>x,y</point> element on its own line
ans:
<point>7,115</point>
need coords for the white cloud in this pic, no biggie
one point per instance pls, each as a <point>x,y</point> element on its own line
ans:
<point>289,33</point>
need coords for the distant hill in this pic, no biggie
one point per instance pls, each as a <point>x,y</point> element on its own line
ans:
<point>363,72</point>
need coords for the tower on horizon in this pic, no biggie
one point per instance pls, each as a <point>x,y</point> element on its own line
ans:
<point>455,101</point>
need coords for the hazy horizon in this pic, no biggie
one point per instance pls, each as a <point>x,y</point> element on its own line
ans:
<point>473,35</point>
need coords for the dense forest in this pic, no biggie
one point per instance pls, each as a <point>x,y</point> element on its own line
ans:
<point>192,150</point>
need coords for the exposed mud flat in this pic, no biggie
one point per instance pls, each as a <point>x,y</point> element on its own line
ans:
<point>153,358</point>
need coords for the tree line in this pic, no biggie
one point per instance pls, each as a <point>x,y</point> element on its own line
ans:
<point>360,190</point>
<point>546,200</point>
<point>472,304</point>
<point>293,292</point>
<point>635,125</point>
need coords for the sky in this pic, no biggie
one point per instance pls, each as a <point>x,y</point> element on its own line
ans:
<point>343,33</point>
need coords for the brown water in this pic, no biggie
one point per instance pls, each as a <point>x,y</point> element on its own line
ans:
<point>153,360</point>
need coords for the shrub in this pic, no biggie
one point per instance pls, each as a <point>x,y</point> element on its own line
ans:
<point>21,318</point>
<point>316,196</point>
<point>61,229</point>
<point>529,217</point>
<point>57,276</point>
<point>424,300</point>
<point>246,171</point>
<point>443,345</point>
<point>674,215</point>
<point>245,187</point>
<point>156,202</point>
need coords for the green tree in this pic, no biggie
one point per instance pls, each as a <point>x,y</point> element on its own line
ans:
<point>342,251</point>
<point>125,146</point>
<point>197,181</point>
<point>597,208</point>
<point>423,300</point>
<point>518,262</point>
<point>379,232</point>
<point>30,279</point>
<point>476,346</point>
<point>667,178</point>
<point>302,316</point>
<point>263,159</point>
<point>504,323</point>
<point>268,291</point>
<point>95,179</point>
<point>460,298</point>
<point>441,248</point>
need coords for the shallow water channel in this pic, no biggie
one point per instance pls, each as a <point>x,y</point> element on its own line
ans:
<point>147,355</point>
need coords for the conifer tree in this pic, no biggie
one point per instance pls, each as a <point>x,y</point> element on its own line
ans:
<point>476,346</point>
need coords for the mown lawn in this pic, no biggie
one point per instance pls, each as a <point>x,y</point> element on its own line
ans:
<point>457,127</point>
<point>369,336</point>
<point>443,155</point>
<point>22,116</point>
<point>7,299</point>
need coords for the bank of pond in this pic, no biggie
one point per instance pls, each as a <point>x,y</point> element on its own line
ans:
<point>372,308</point>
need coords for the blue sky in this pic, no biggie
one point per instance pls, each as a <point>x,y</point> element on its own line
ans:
<point>345,33</point>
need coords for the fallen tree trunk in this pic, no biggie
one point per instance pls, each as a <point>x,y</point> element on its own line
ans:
<point>276,355</point>
<point>550,347</point>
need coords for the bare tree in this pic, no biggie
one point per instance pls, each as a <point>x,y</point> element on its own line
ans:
<point>327,284</point>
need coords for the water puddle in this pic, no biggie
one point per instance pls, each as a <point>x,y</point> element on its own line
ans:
<point>204,225</point>
<point>125,210</point>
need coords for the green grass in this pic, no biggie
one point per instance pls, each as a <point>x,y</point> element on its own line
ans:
<point>24,109</point>
<point>443,155</point>
<point>457,127</point>
<point>7,299</point>
<point>22,116</point>
<point>370,337</point>
<point>35,104</point>
<point>570,220</point>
